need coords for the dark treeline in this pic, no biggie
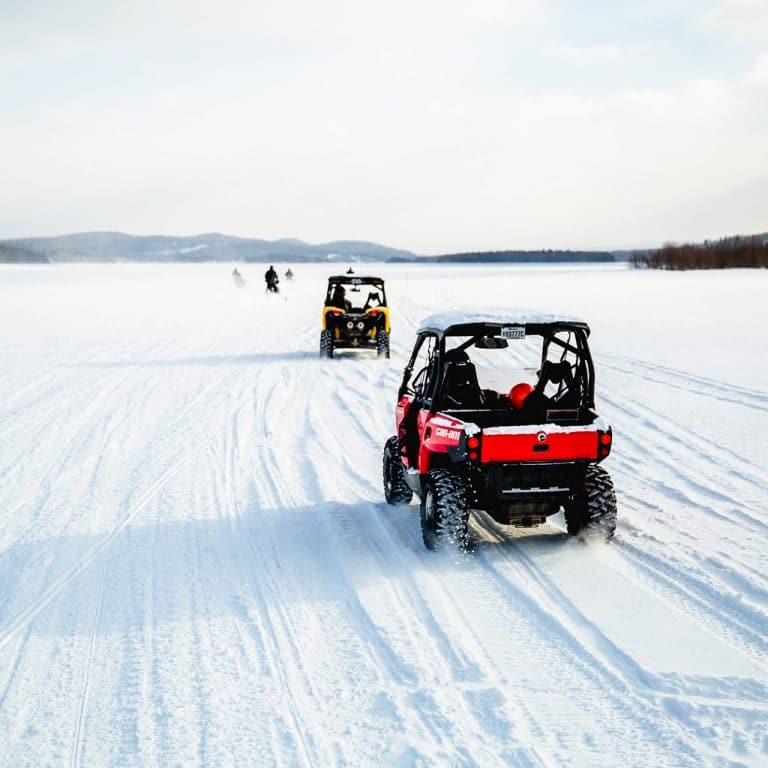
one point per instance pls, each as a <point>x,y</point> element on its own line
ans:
<point>527,256</point>
<point>512,257</point>
<point>727,253</point>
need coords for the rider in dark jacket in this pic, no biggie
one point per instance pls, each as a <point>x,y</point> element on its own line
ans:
<point>271,278</point>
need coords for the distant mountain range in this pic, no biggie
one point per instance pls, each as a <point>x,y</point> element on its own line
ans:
<point>116,246</point>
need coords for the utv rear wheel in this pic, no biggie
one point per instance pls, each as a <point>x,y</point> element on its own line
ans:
<point>326,344</point>
<point>382,344</point>
<point>445,511</point>
<point>396,490</point>
<point>594,510</point>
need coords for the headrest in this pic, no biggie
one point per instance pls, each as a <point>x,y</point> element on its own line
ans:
<point>456,356</point>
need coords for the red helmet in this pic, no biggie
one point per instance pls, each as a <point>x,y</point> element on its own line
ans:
<point>518,393</point>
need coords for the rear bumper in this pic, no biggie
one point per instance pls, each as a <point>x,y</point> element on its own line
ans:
<point>528,481</point>
<point>355,342</point>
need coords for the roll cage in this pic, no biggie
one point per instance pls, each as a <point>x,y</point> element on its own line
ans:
<point>352,285</point>
<point>574,377</point>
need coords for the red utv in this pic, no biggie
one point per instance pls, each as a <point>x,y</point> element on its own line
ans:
<point>498,414</point>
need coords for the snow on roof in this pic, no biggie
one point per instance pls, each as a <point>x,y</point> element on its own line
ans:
<point>352,278</point>
<point>499,316</point>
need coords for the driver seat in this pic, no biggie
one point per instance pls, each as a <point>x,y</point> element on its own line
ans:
<point>461,388</point>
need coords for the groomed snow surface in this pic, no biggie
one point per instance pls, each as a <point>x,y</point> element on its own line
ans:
<point>197,566</point>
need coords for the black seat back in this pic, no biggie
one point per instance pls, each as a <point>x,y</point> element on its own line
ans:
<point>461,388</point>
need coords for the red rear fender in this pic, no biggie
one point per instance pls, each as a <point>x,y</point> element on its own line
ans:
<point>401,409</point>
<point>439,434</point>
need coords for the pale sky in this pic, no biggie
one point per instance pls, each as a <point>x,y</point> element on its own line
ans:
<point>435,126</point>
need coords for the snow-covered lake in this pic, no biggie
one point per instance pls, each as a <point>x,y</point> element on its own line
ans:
<point>197,566</point>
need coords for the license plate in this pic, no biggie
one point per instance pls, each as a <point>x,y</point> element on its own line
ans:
<point>513,332</point>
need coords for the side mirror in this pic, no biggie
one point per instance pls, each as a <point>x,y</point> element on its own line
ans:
<point>491,342</point>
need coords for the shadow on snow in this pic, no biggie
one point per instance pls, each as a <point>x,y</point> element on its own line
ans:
<point>206,568</point>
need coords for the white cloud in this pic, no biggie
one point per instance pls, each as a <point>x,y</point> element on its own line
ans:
<point>403,122</point>
<point>738,19</point>
<point>758,75</point>
<point>601,52</point>
<point>91,20</point>
<point>513,170</point>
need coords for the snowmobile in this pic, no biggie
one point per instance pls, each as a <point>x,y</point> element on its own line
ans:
<point>355,316</point>
<point>520,443</point>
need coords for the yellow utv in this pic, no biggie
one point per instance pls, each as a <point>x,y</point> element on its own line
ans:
<point>355,315</point>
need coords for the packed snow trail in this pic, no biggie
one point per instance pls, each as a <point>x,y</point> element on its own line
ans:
<point>197,565</point>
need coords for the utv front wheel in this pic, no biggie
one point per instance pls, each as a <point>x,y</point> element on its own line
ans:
<point>326,344</point>
<point>593,510</point>
<point>396,490</point>
<point>445,510</point>
<point>382,344</point>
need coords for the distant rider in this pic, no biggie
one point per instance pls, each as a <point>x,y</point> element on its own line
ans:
<point>271,279</point>
<point>238,278</point>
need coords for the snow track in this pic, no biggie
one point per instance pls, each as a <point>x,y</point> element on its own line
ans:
<point>197,566</point>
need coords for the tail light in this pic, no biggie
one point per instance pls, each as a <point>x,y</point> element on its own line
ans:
<point>604,442</point>
<point>468,447</point>
<point>473,447</point>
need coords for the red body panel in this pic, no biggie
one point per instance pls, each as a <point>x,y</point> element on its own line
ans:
<point>403,404</point>
<point>440,432</point>
<point>433,437</point>
<point>555,446</point>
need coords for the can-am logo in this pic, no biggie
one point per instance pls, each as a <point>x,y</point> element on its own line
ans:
<point>451,434</point>
<point>541,437</point>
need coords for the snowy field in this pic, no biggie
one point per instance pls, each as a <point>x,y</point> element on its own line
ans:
<point>197,566</point>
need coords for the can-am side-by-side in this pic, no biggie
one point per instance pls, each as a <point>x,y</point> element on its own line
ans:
<point>497,413</point>
<point>355,315</point>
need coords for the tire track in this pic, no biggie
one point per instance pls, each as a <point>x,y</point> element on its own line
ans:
<point>76,751</point>
<point>579,658</point>
<point>139,457</point>
<point>29,613</point>
<point>83,393</point>
<point>680,442</point>
<point>687,382</point>
<point>674,694</point>
<point>271,640</point>
<point>743,625</point>
<point>334,535</point>
<point>54,375</point>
